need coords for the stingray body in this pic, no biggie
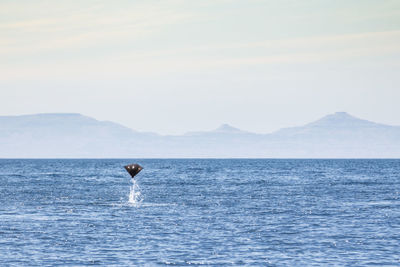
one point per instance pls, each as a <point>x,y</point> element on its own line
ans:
<point>133,169</point>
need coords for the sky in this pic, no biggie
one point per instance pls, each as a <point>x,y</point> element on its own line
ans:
<point>173,66</point>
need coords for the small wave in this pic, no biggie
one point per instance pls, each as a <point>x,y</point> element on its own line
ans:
<point>141,205</point>
<point>158,204</point>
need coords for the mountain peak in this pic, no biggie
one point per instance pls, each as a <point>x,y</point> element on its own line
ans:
<point>223,128</point>
<point>341,114</point>
<point>226,128</point>
<point>341,119</point>
<point>57,115</point>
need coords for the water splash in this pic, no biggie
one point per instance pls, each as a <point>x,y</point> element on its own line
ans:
<point>135,196</point>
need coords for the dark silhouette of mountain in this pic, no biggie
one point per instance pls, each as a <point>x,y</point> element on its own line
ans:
<point>337,135</point>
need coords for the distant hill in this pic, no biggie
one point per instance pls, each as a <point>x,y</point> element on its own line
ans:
<point>61,135</point>
<point>340,135</point>
<point>339,121</point>
<point>223,129</point>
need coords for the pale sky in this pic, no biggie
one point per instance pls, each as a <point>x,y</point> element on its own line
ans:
<point>172,66</point>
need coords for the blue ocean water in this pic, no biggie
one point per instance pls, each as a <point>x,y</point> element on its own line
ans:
<point>216,212</point>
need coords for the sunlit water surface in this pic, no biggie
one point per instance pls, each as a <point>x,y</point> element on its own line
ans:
<point>200,212</point>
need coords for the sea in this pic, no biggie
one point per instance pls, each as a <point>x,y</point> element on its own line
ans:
<point>200,212</point>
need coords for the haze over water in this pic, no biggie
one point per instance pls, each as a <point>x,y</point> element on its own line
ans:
<point>200,212</point>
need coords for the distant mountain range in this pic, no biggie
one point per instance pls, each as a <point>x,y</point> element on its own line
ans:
<point>71,135</point>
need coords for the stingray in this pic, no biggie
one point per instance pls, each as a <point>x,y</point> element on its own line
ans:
<point>133,169</point>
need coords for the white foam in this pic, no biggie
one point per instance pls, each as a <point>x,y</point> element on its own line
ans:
<point>135,196</point>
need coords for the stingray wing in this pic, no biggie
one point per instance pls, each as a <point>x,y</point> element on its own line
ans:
<point>133,169</point>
